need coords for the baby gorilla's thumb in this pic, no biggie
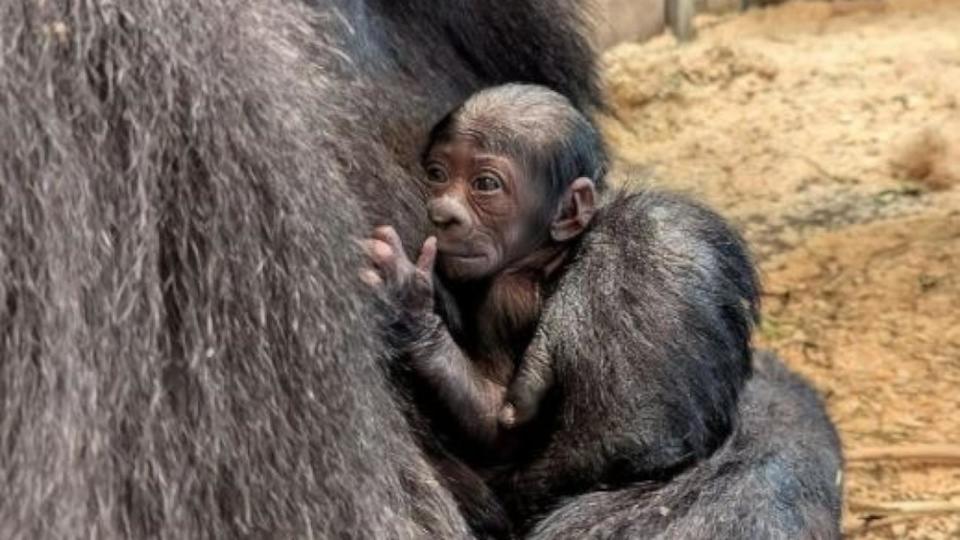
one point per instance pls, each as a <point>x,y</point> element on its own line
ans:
<point>508,416</point>
<point>428,255</point>
<point>520,406</point>
<point>530,385</point>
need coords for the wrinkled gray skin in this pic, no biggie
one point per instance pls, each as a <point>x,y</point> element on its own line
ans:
<point>185,350</point>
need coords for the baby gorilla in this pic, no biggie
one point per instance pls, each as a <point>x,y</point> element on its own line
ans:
<point>586,371</point>
<point>512,177</point>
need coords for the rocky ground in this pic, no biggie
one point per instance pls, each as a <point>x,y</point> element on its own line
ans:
<point>830,132</point>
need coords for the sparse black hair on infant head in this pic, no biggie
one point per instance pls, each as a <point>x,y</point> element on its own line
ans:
<point>535,125</point>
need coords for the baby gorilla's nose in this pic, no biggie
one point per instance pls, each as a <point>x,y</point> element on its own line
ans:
<point>449,215</point>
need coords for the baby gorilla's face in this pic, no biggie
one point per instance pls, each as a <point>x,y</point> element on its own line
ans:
<point>484,207</point>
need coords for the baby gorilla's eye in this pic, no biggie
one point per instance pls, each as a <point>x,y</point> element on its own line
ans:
<point>487,183</point>
<point>436,174</point>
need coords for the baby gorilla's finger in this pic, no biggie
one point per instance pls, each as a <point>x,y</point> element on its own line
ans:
<point>380,253</point>
<point>389,235</point>
<point>522,402</point>
<point>401,269</point>
<point>534,378</point>
<point>371,278</point>
<point>508,416</point>
<point>428,255</point>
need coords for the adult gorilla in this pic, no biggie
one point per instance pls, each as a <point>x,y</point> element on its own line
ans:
<point>184,348</point>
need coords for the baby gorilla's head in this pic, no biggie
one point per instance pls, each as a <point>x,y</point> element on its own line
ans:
<point>512,171</point>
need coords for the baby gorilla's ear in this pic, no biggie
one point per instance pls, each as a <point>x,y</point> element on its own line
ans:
<point>576,210</point>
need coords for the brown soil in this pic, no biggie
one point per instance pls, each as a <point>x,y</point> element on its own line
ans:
<point>830,132</point>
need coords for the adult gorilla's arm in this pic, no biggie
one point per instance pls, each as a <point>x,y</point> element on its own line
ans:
<point>648,339</point>
<point>776,477</point>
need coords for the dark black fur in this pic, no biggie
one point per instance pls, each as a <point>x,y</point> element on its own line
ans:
<point>777,477</point>
<point>649,338</point>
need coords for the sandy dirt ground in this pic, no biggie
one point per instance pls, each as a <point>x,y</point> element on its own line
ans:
<point>830,133</point>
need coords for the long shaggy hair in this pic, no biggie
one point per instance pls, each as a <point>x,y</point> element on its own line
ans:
<point>184,350</point>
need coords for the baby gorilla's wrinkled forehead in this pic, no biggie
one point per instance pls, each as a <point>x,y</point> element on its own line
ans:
<point>538,128</point>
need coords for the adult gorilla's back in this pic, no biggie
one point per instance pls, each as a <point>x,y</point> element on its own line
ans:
<point>184,349</point>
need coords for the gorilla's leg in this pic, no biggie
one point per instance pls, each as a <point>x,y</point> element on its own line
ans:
<point>778,477</point>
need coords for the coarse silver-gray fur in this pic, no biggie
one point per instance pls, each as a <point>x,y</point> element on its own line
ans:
<point>185,351</point>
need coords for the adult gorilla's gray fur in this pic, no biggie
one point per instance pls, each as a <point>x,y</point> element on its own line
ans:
<point>184,349</point>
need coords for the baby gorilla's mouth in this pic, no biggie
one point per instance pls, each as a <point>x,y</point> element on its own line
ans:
<point>457,253</point>
<point>460,256</point>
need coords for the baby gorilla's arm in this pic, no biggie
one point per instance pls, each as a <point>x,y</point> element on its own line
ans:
<point>473,399</point>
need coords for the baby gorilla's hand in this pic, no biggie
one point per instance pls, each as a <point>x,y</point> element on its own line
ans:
<point>410,285</point>
<point>532,381</point>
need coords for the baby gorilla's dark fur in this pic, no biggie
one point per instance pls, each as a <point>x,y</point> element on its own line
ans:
<point>647,342</point>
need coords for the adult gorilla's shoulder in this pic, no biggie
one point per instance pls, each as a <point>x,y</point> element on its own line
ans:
<point>184,348</point>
